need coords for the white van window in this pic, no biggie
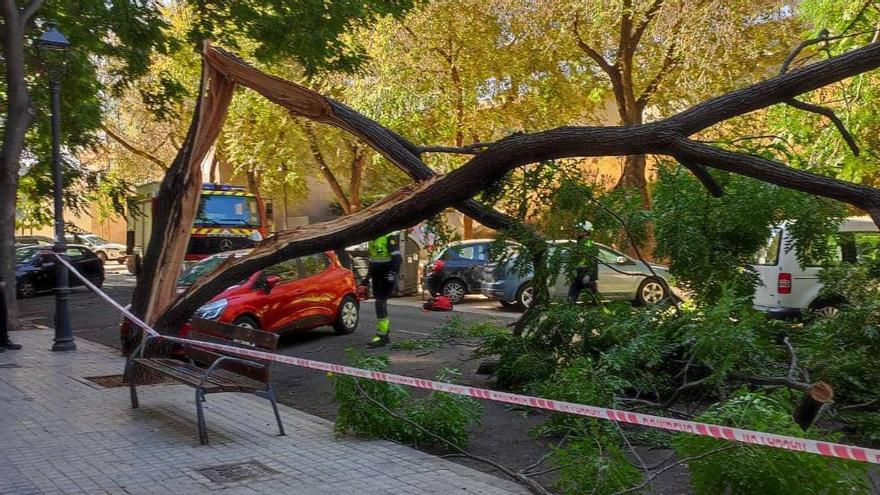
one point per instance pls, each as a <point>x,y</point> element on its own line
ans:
<point>851,247</point>
<point>858,247</point>
<point>769,254</point>
<point>834,249</point>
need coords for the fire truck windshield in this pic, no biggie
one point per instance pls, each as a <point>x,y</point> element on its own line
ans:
<point>216,209</point>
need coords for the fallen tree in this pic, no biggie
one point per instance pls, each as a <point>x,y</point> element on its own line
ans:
<point>154,297</point>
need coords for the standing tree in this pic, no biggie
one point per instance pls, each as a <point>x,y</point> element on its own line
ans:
<point>650,58</point>
<point>119,34</point>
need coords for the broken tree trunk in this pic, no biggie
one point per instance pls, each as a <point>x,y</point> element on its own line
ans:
<point>178,199</point>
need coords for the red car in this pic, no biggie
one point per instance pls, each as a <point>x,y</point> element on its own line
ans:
<point>294,295</point>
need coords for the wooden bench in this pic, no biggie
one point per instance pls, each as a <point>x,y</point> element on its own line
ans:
<point>208,371</point>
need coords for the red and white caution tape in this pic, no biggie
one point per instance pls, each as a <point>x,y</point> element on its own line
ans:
<point>827,449</point>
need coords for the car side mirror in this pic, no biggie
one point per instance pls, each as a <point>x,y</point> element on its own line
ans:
<point>621,260</point>
<point>272,281</point>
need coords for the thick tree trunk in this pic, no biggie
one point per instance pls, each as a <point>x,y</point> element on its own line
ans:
<point>18,118</point>
<point>253,182</point>
<point>358,164</point>
<point>178,200</point>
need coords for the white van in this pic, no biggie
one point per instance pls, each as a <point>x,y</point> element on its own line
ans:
<point>786,290</point>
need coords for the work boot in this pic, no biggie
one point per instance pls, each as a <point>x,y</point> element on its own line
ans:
<point>8,345</point>
<point>378,340</point>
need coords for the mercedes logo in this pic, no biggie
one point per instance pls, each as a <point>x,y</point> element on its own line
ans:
<point>226,245</point>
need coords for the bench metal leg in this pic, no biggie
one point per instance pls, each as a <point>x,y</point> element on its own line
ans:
<point>203,430</point>
<point>129,375</point>
<point>269,393</point>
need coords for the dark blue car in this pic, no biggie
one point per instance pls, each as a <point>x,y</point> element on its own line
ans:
<point>35,268</point>
<point>455,271</point>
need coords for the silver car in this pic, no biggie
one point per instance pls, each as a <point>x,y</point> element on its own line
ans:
<point>621,278</point>
<point>104,249</point>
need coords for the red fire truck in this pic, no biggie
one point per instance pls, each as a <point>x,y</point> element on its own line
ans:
<point>228,218</point>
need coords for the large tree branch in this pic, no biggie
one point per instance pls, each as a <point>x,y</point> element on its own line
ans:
<point>687,150</point>
<point>775,90</point>
<point>470,149</point>
<point>132,148</point>
<point>410,205</point>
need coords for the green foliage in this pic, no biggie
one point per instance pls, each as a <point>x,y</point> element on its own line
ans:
<point>842,350</point>
<point>362,417</point>
<point>521,361</point>
<point>710,242</point>
<point>452,328</point>
<point>580,382</point>
<point>731,336</point>
<point>856,100</point>
<point>746,469</point>
<point>593,466</point>
<point>480,329</point>
<point>865,427</point>
<point>288,29</point>
<point>445,415</point>
<point>448,416</point>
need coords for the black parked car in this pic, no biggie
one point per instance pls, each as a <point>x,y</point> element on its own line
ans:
<point>35,268</point>
<point>455,272</point>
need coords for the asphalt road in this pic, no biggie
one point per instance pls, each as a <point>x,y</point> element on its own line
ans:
<point>94,319</point>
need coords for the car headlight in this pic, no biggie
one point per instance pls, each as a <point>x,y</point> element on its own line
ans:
<point>256,236</point>
<point>212,310</point>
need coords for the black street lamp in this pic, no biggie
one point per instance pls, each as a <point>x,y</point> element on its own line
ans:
<point>52,47</point>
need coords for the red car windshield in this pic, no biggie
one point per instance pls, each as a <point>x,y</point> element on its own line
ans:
<point>195,272</point>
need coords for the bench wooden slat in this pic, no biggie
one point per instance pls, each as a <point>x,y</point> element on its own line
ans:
<point>218,381</point>
<point>266,341</point>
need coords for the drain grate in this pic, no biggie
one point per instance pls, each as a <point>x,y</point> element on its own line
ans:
<point>239,471</point>
<point>107,381</point>
<point>9,365</point>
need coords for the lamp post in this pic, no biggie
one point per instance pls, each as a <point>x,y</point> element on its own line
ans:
<point>52,47</point>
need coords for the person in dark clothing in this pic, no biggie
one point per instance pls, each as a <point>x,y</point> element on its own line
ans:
<point>583,261</point>
<point>5,343</point>
<point>385,260</point>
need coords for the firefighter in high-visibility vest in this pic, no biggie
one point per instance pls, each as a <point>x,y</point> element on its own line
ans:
<point>385,260</point>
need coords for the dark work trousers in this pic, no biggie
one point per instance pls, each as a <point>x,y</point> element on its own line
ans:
<point>4,328</point>
<point>578,285</point>
<point>382,288</point>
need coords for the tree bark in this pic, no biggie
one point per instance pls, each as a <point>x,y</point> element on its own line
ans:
<point>18,118</point>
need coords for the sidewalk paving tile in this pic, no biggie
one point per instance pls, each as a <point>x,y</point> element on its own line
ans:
<point>63,434</point>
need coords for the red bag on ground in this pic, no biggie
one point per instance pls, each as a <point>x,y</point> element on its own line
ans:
<point>439,303</point>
